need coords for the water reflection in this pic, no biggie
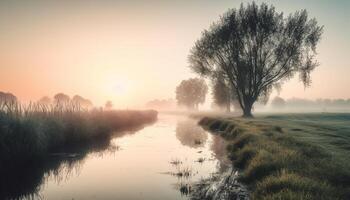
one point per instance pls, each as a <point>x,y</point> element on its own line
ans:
<point>26,180</point>
<point>219,149</point>
<point>211,151</point>
<point>157,158</point>
<point>190,134</point>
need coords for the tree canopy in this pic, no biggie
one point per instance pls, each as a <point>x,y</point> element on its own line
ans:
<point>256,48</point>
<point>191,92</point>
<point>81,101</point>
<point>7,97</point>
<point>61,98</point>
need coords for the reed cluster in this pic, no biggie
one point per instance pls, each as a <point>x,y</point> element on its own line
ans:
<point>37,130</point>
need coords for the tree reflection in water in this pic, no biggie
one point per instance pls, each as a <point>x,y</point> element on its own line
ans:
<point>194,136</point>
<point>219,149</point>
<point>190,134</point>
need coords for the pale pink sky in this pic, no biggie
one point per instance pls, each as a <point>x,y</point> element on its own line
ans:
<point>134,51</point>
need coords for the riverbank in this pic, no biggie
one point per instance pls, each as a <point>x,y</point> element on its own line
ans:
<point>296,156</point>
<point>36,132</point>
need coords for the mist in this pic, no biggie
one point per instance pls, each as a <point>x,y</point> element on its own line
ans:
<point>178,100</point>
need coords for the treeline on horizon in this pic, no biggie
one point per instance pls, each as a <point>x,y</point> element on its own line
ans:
<point>58,99</point>
<point>321,103</point>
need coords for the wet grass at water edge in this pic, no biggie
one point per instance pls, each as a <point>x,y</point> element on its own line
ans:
<point>296,156</point>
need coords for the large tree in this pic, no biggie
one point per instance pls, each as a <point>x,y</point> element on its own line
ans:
<point>256,48</point>
<point>191,92</point>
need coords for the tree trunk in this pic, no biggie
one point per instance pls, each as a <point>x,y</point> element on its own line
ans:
<point>247,110</point>
<point>247,113</point>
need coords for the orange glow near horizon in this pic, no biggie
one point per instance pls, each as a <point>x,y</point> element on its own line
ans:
<point>131,53</point>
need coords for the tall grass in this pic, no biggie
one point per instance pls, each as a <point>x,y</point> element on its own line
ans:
<point>277,165</point>
<point>35,130</point>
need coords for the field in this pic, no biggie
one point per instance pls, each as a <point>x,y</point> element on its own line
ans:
<point>289,156</point>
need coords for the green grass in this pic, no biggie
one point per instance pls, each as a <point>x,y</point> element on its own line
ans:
<point>293,156</point>
<point>35,131</point>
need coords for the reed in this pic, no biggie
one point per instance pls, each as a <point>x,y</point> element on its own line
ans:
<point>36,130</point>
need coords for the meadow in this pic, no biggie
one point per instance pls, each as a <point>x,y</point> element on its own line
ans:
<point>289,156</point>
<point>36,131</point>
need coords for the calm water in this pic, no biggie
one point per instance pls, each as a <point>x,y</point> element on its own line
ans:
<point>140,165</point>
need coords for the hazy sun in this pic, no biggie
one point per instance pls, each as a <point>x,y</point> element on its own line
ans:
<point>120,88</point>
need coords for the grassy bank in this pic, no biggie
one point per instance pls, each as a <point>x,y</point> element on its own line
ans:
<point>290,156</point>
<point>36,131</point>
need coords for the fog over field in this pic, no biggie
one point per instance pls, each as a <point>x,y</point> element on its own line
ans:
<point>174,100</point>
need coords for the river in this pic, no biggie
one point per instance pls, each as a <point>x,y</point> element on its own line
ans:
<point>160,161</point>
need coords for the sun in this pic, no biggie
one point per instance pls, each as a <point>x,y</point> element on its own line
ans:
<point>120,88</point>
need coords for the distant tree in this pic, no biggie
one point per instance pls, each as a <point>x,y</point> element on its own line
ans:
<point>298,102</point>
<point>61,98</point>
<point>278,102</point>
<point>84,103</point>
<point>109,105</point>
<point>339,102</point>
<point>45,100</point>
<point>163,104</point>
<point>223,95</point>
<point>87,103</point>
<point>7,97</point>
<point>256,49</point>
<point>191,92</point>
<point>77,99</point>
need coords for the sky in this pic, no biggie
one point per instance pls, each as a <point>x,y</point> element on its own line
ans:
<point>131,52</point>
